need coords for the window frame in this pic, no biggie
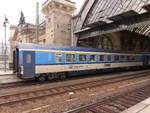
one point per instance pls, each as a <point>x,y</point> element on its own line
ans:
<point>85,57</point>
<point>109,56</point>
<point>94,58</point>
<point>56,58</point>
<point>128,58</point>
<point>133,58</point>
<point>99,59</point>
<point>116,58</point>
<point>122,57</point>
<point>72,60</point>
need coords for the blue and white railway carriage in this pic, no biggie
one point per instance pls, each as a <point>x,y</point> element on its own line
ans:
<point>37,61</point>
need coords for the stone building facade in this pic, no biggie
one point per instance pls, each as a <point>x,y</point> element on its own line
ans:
<point>58,21</point>
<point>55,30</point>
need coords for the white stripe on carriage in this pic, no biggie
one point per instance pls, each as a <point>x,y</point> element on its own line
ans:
<point>79,67</point>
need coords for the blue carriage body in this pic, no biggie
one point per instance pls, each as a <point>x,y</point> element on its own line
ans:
<point>40,59</point>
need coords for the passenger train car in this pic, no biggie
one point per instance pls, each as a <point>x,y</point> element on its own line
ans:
<point>49,62</point>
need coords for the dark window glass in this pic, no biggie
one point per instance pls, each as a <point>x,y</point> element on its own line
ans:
<point>122,57</point>
<point>133,58</point>
<point>136,58</point>
<point>128,57</point>
<point>116,58</point>
<point>58,58</point>
<point>82,58</point>
<point>70,58</point>
<point>109,58</point>
<point>101,58</point>
<point>92,58</point>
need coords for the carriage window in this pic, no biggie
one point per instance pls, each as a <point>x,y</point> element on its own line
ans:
<point>101,58</point>
<point>122,57</point>
<point>70,58</point>
<point>28,58</point>
<point>136,58</point>
<point>133,58</point>
<point>58,58</point>
<point>128,57</point>
<point>116,58</point>
<point>92,58</point>
<point>82,58</point>
<point>109,58</point>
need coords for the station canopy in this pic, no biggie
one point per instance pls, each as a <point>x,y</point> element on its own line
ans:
<point>108,16</point>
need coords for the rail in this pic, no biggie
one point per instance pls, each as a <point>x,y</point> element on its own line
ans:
<point>33,93</point>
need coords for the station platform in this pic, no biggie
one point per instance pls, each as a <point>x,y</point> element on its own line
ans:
<point>8,77</point>
<point>8,72</point>
<point>142,107</point>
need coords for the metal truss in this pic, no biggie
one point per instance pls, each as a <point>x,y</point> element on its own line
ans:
<point>106,16</point>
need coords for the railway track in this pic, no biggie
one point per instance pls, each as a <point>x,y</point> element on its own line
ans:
<point>18,84</point>
<point>34,93</point>
<point>33,82</point>
<point>26,83</point>
<point>115,104</point>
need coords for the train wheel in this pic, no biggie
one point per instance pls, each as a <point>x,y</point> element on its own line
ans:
<point>41,78</point>
<point>50,77</point>
<point>62,76</point>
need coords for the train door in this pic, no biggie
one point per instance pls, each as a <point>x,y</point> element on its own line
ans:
<point>28,64</point>
<point>16,60</point>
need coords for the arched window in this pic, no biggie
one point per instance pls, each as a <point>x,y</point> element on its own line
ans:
<point>101,42</point>
<point>104,42</point>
